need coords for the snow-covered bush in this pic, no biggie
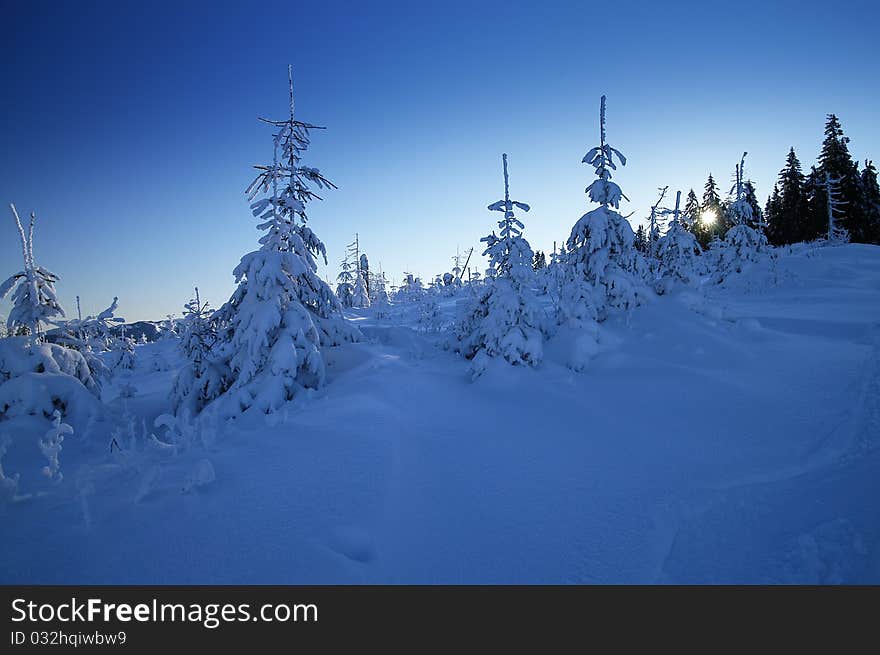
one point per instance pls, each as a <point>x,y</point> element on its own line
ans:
<point>122,353</point>
<point>33,288</point>
<point>271,331</point>
<point>503,318</point>
<point>93,334</point>
<point>167,329</point>
<point>430,319</point>
<point>601,244</point>
<point>38,378</point>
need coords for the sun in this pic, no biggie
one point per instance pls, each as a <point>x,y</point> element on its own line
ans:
<point>708,217</point>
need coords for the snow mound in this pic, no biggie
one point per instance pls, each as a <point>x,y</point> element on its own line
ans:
<point>40,378</point>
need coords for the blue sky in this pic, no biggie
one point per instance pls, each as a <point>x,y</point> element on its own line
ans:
<point>131,130</point>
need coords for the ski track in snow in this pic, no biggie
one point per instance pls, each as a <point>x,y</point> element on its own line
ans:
<point>648,466</point>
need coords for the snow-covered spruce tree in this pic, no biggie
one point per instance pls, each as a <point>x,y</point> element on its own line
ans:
<point>360,296</point>
<point>345,284</point>
<point>200,379</point>
<point>742,243</point>
<point>379,299</point>
<point>502,319</point>
<point>411,290</point>
<point>678,252</point>
<point>430,319</point>
<point>641,240</point>
<point>601,247</point>
<point>33,288</point>
<point>379,288</point>
<point>37,377</point>
<point>122,352</point>
<point>540,261</point>
<point>272,329</point>
<point>691,214</point>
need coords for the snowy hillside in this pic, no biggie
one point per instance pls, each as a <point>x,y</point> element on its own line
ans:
<point>719,434</point>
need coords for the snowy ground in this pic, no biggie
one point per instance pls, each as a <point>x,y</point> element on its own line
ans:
<point>732,438</point>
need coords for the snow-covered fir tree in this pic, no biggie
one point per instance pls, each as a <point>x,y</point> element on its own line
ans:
<point>122,353</point>
<point>712,224</point>
<point>360,297</point>
<point>34,301</point>
<point>430,318</point>
<point>200,379</point>
<point>640,240</point>
<point>690,216</point>
<point>345,284</point>
<point>540,261</point>
<point>742,243</point>
<point>411,290</point>
<point>601,248</point>
<point>271,331</point>
<point>379,289</point>
<point>503,318</point>
<point>678,252</point>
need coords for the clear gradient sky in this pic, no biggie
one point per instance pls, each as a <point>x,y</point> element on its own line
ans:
<point>130,127</point>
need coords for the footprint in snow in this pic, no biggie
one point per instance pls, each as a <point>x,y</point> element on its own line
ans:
<point>354,543</point>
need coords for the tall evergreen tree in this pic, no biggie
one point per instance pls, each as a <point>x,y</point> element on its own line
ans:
<point>272,329</point>
<point>712,214</point>
<point>690,217</point>
<point>816,224</point>
<point>836,161</point>
<point>871,202</point>
<point>641,240</point>
<point>540,261</point>
<point>751,197</point>
<point>772,210</point>
<point>790,214</point>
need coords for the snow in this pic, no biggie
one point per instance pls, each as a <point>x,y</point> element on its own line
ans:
<point>715,434</point>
